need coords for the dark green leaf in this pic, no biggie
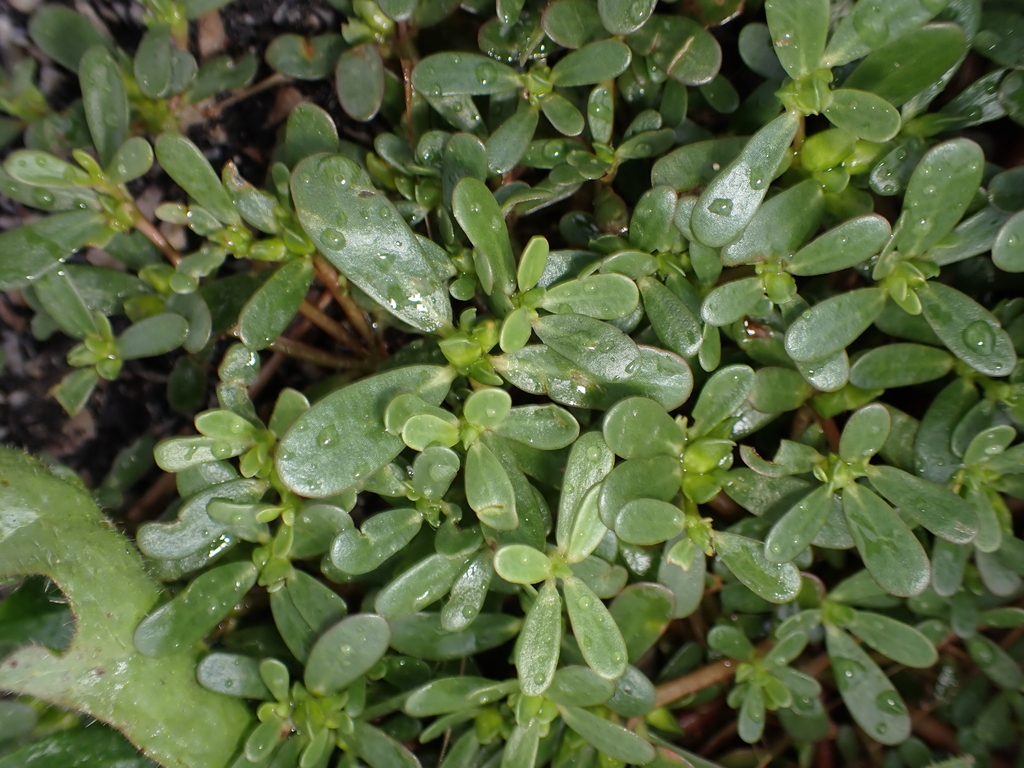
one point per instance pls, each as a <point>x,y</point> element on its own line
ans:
<point>828,327</point>
<point>185,163</point>
<point>899,365</point>
<point>274,305</point>
<point>967,329</point>
<point>105,101</point>
<point>901,69</point>
<point>900,642</point>
<point>593,63</point>
<point>360,82</point>
<point>733,197</point>
<point>345,652</point>
<point>799,29</point>
<point>599,348</point>
<point>863,114</point>
<point>537,648</point>
<point>891,553</point>
<point>607,737</point>
<point>480,216</point>
<point>341,441</point>
<point>939,510</point>
<point>940,189</point>
<point>156,335</point>
<point>775,582</point>
<point>451,74</point>
<point>799,526</point>
<point>64,35</point>
<point>306,58</point>
<point>871,699</point>
<point>361,232</point>
<point>620,17</point>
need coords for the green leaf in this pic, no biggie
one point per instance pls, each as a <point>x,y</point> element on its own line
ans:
<point>416,588</point>
<point>871,699</point>
<point>593,63</point>
<point>537,648</point>
<point>865,433</point>
<point>799,29</point>
<point>37,168</point>
<point>780,226</point>
<point>649,521</point>
<point>51,527</point>
<point>607,737</point>
<point>652,217</point>
<point>341,441</point>
<point>732,301</point>
<point>620,17</point>
<point>642,612</point>
<point>721,396</point>
<point>940,189</point>
<point>194,611</point>
<point>361,233</point>
<point>345,652</point>
<point>696,164</point>
<point>890,637</point>
<point>799,526</point>
<point>671,319</point>
<point>899,365</point>
<point>509,142</point>
<point>545,427</point>
<point>452,74</point>
<point>274,305</point>
<point>360,82</point>
<point>903,68</point>
<point>733,197</point>
<point>489,490</point>
<point>597,347</point>
<point>997,664</point>
<point>422,636</point>
<point>34,249</point>
<point>572,23</point>
<point>479,215</point>
<point>596,631</point>
<point>775,582</point>
<point>563,116</point>
<point>306,58</point>
<point>232,674</point>
<point>638,427</point>
<point>105,101</point>
<point>933,455</point>
<point>863,114</point>
<point>64,35</point>
<point>680,47</point>
<point>604,297</point>
<point>1008,248</point>
<point>156,335</point>
<point>590,460</point>
<point>750,725</point>
<point>152,66</point>
<point>186,165</point>
<point>777,390</point>
<point>871,25</point>
<point>828,327</point>
<point>891,553</point>
<point>967,329</point>
<point>382,535</point>
<point>520,564</point>
<point>84,747</point>
<point>131,160</point>
<point>936,508</point>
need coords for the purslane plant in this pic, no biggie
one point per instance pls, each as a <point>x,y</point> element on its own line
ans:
<point>586,278</point>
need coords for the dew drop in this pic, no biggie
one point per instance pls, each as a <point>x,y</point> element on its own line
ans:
<point>333,238</point>
<point>888,702</point>
<point>327,435</point>
<point>757,178</point>
<point>720,206</point>
<point>980,337</point>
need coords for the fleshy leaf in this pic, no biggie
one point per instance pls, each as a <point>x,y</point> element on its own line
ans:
<point>361,232</point>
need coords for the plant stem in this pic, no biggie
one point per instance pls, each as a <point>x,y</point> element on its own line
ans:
<point>310,354</point>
